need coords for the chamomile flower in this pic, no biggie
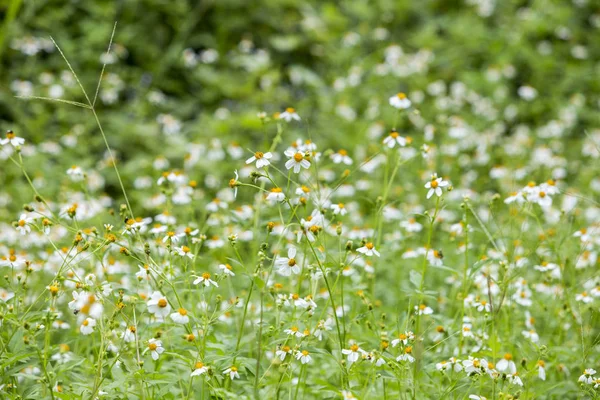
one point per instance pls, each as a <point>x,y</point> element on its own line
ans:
<point>158,305</point>
<point>541,366</point>
<point>400,101</point>
<point>368,249</point>
<point>184,251</point>
<point>407,355</point>
<point>289,115</point>
<point>180,316</point>
<point>276,195</point>
<point>394,139</point>
<point>155,348</point>
<point>232,372</point>
<point>205,280</point>
<point>87,326</point>
<point>339,208</point>
<point>23,224</point>
<point>587,376</point>
<point>341,157</point>
<point>262,159</point>
<point>13,139</point>
<point>199,369</point>
<point>353,353</point>
<point>128,335</point>
<point>283,351</point>
<point>234,183</point>
<point>506,364</point>
<point>289,265</point>
<point>303,356</point>
<point>423,310</point>
<point>227,269</point>
<point>435,186</point>
<point>297,160</point>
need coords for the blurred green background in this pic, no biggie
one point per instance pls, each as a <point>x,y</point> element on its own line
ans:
<point>212,65</point>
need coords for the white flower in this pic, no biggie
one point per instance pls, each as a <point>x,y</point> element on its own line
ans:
<point>400,101</point>
<point>23,224</point>
<point>339,208</point>
<point>289,114</point>
<point>341,157</point>
<point>184,251</point>
<point>368,249</point>
<point>507,364</point>
<point>587,376</point>
<point>394,139</point>
<point>294,331</point>
<point>515,379</point>
<point>303,356</point>
<point>128,335</point>
<point>289,265</point>
<point>205,280</point>
<point>541,370</point>
<point>232,372</point>
<point>12,139</point>
<point>435,186</point>
<point>233,183</point>
<point>262,159</point>
<point>227,269</point>
<point>353,353</point>
<point>406,356</point>
<point>75,173</point>
<point>87,326</point>
<point>158,305</point>
<point>199,369</point>
<point>155,347</point>
<point>423,310</point>
<point>584,297</point>
<point>282,352</point>
<point>276,195</point>
<point>180,316</point>
<point>297,160</point>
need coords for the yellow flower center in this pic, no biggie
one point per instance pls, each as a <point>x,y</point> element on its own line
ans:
<point>290,110</point>
<point>304,353</point>
<point>86,323</point>
<point>369,246</point>
<point>434,184</point>
<point>182,311</point>
<point>259,155</point>
<point>298,157</point>
<point>162,303</point>
<point>354,347</point>
<point>152,346</point>
<point>199,365</point>
<point>401,96</point>
<point>291,262</point>
<point>206,276</point>
<point>508,356</point>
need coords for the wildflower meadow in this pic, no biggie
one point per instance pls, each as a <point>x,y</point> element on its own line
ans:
<point>282,199</point>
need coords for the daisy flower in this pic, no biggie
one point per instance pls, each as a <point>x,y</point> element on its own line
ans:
<point>276,195</point>
<point>394,139</point>
<point>227,269</point>
<point>400,101</point>
<point>341,157</point>
<point>180,316</point>
<point>155,348</point>
<point>184,251</point>
<point>435,186</point>
<point>369,250</point>
<point>205,280</point>
<point>407,355</point>
<point>303,356</point>
<point>262,159</point>
<point>423,310</point>
<point>23,224</point>
<point>289,265</point>
<point>199,369</point>
<point>339,208</point>
<point>289,115</point>
<point>87,326</point>
<point>232,372</point>
<point>158,305</point>
<point>353,353</point>
<point>297,160</point>
<point>507,364</point>
<point>234,183</point>
<point>13,139</point>
<point>283,351</point>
